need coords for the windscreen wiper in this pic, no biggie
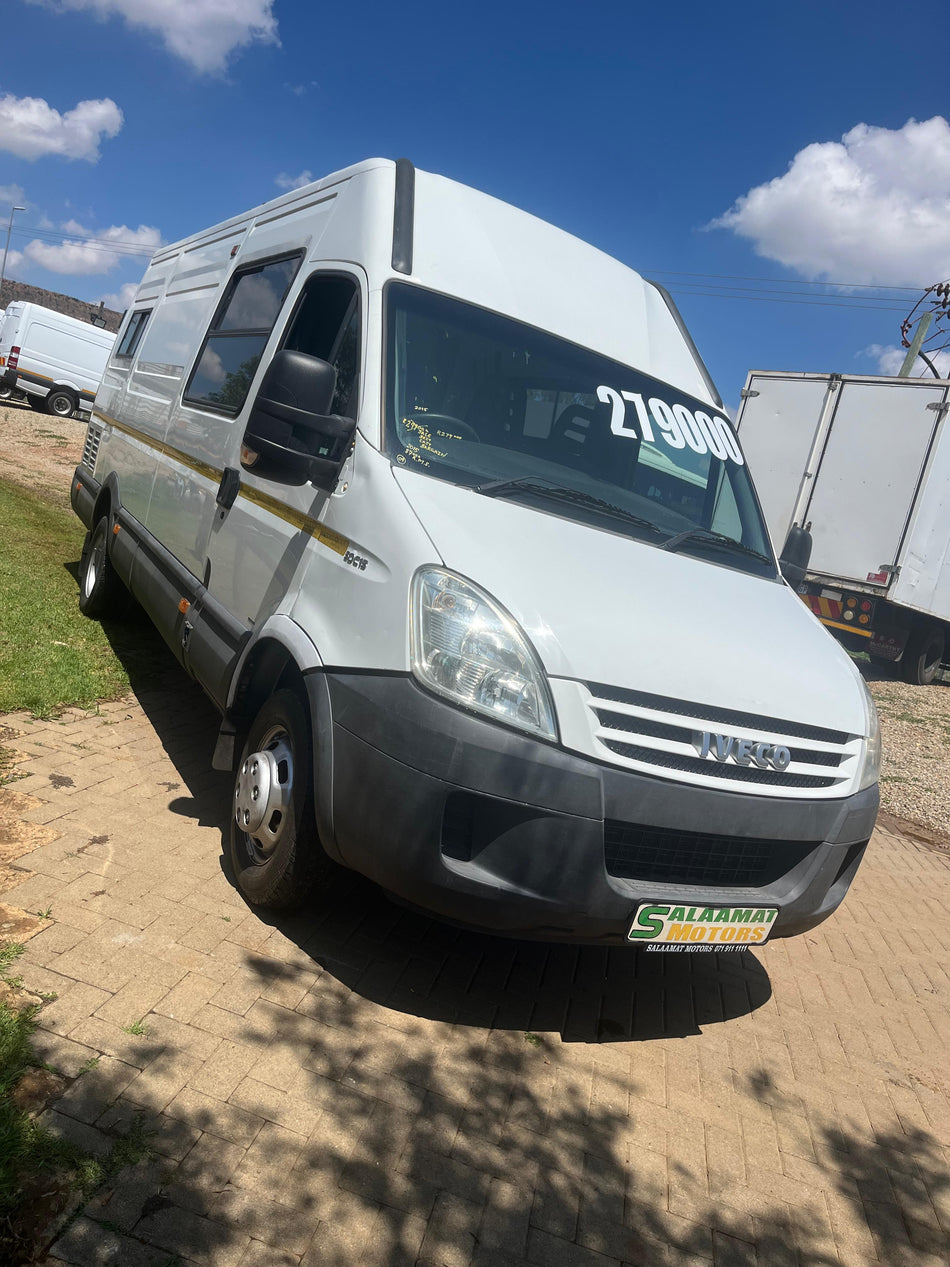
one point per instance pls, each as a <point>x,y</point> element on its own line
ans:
<point>719,540</point>
<point>545,488</point>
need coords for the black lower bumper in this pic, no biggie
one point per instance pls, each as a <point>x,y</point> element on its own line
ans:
<point>492,829</point>
<point>83,492</point>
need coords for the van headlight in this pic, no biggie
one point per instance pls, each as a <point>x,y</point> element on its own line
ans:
<point>466,647</point>
<point>872,747</point>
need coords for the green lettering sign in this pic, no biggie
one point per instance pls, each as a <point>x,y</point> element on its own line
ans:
<point>648,923</point>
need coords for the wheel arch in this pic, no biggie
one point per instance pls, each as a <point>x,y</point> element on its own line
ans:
<point>283,655</point>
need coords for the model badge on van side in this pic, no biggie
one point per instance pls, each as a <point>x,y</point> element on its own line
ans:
<point>742,751</point>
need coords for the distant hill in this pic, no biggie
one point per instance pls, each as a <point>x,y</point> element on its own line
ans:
<point>79,308</point>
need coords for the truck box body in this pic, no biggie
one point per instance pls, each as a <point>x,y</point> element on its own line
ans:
<point>863,463</point>
<point>56,360</point>
<point>440,506</point>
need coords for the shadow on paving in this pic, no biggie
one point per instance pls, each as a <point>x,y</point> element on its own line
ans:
<point>402,959</point>
<point>469,1159</point>
<point>438,1120</point>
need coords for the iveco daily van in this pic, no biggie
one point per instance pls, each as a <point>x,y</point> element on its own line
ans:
<point>441,508</point>
<point>57,361</point>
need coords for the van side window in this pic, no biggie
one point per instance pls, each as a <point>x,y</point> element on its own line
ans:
<point>234,344</point>
<point>133,333</point>
<point>326,324</point>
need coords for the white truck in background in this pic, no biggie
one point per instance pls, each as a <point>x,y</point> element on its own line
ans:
<point>862,464</point>
<point>57,361</point>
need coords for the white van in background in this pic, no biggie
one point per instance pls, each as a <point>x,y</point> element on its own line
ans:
<point>440,506</point>
<point>57,361</point>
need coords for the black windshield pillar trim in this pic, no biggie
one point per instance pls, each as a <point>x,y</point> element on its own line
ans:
<point>404,215</point>
<point>681,326</point>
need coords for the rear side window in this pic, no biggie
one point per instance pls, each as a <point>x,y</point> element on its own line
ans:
<point>234,344</point>
<point>133,333</point>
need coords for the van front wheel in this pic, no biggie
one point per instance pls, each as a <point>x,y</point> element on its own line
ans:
<point>275,851</point>
<point>101,593</point>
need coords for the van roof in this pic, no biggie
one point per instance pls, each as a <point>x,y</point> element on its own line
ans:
<point>284,200</point>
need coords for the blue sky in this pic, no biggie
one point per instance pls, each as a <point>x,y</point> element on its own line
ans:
<point>634,126</point>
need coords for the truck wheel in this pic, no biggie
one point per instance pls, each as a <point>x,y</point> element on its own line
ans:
<point>101,593</point>
<point>61,403</point>
<point>274,848</point>
<point>922,655</point>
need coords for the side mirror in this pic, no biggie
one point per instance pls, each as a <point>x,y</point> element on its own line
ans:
<point>795,555</point>
<point>291,435</point>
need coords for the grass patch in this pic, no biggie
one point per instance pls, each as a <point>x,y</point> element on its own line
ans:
<point>50,655</point>
<point>137,1029</point>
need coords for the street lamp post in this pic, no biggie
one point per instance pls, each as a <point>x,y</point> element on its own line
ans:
<point>3,266</point>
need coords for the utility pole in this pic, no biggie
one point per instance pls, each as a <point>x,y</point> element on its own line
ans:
<point>923,325</point>
<point>3,266</point>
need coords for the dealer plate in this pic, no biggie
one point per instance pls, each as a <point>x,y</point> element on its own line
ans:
<point>668,927</point>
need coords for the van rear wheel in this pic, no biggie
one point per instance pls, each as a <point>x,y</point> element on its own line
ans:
<point>274,848</point>
<point>101,593</point>
<point>922,655</point>
<point>61,403</point>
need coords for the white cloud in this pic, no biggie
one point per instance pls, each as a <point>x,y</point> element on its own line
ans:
<point>873,208</point>
<point>77,256</point>
<point>283,181</point>
<point>31,128</point>
<point>12,194</point>
<point>122,298</point>
<point>890,358</point>
<point>203,33</point>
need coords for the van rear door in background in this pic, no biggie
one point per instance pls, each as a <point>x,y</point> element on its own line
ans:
<point>777,425</point>
<point>867,476</point>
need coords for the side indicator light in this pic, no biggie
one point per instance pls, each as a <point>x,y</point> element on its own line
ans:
<point>115,530</point>
<point>183,605</point>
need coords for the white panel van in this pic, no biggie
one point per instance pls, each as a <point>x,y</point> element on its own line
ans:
<point>57,361</point>
<point>440,506</point>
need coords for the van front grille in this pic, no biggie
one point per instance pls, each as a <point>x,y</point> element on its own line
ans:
<point>674,738</point>
<point>659,854</point>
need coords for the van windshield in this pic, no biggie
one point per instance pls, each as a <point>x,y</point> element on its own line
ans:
<point>484,401</point>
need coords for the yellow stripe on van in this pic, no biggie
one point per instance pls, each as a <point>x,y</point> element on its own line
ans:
<point>296,518</point>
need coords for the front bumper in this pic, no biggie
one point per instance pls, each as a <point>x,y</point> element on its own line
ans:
<point>492,829</point>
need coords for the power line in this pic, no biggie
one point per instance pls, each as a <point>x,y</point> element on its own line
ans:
<point>752,291</point>
<point>791,281</point>
<point>762,299</point>
<point>62,238</point>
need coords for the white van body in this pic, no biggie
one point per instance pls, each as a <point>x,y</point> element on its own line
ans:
<point>548,689</point>
<point>55,359</point>
<point>864,461</point>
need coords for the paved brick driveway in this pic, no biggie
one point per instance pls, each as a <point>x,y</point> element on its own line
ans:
<point>366,1086</point>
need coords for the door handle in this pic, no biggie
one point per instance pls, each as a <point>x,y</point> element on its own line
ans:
<point>228,488</point>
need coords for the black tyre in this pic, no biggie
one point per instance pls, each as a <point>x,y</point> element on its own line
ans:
<point>101,593</point>
<point>61,403</point>
<point>275,851</point>
<point>922,655</point>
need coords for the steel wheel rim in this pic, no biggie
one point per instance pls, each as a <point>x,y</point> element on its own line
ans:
<point>263,795</point>
<point>95,562</point>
